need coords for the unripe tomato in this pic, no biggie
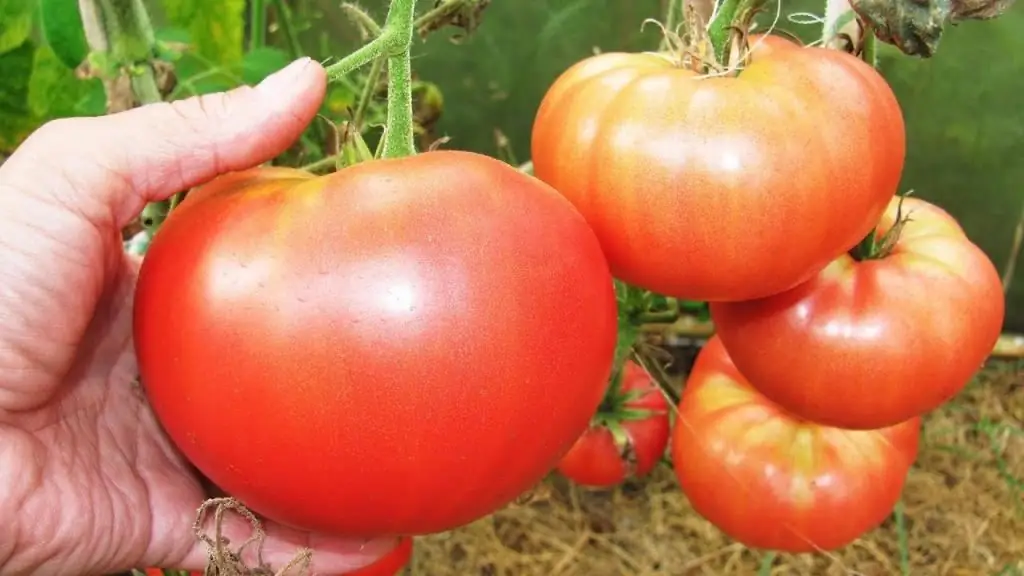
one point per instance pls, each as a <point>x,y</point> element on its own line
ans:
<point>398,348</point>
<point>870,343</point>
<point>774,481</point>
<point>723,187</point>
<point>603,457</point>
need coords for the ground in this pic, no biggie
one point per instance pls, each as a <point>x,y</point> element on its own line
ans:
<point>963,515</point>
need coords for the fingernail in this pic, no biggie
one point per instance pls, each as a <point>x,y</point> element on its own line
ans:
<point>285,76</point>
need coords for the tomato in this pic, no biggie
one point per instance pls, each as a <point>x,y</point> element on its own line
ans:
<point>391,564</point>
<point>870,343</point>
<point>399,348</point>
<point>624,441</point>
<point>727,187</point>
<point>776,482</point>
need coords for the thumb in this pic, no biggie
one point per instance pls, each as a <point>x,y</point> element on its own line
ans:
<point>107,168</point>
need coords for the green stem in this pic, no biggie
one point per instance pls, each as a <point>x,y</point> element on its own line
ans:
<point>284,18</point>
<point>376,69</point>
<point>257,24</point>
<point>361,57</point>
<point>398,26</point>
<point>356,14</point>
<point>720,29</point>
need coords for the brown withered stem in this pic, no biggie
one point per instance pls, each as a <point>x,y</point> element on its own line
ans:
<point>915,27</point>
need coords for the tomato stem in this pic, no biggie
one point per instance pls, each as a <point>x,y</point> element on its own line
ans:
<point>257,24</point>
<point>398,131</point>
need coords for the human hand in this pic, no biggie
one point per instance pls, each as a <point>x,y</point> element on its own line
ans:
<point>89,484</point>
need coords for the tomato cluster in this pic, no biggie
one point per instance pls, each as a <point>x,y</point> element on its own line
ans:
<point>843,311</point>
<point>408,344</point>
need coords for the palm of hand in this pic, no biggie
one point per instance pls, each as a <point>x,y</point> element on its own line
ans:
<point>88,481</point>
<point>97,462</point>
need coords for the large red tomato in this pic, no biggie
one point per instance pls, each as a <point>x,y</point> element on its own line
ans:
<point>398,348</point>
<point>776,482</point>
<point>725,187</point>
<point>870,343</point>
<point>391,564</point>
<point>637,409</point>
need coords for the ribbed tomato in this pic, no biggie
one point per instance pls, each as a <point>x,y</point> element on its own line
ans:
<point>398,348</point>
<point>870,343</point>
<point>391,564</point>
<point>724,187</point>
<point>627,436</point>
<point>774,481</point>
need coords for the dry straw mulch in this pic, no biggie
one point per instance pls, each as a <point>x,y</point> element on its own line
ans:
<point>964,515</point>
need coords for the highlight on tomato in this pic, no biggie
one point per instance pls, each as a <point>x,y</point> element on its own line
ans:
<point>690,182</point>
<point>374,352</point>
<point>391,564</point>
<point>627,437</point>
<point>889,332</point>
<point>774,481</point>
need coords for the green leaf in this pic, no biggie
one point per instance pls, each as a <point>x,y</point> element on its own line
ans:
<point>15,23</point>
<point>262,62</point>
<point>61,22</point>
<point>215,27</point>
<point>54,91</point>
<point>16,118</point>
<point>199,76</point>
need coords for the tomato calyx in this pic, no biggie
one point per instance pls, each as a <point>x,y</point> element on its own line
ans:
<point>878,247</point>
<point>718,47</point>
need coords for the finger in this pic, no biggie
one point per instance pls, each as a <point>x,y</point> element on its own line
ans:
<point>107,168</point>
<point>282,545</point>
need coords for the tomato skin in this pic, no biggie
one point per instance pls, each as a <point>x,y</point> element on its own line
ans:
<point>391,564</point>
<point>871,343</point>
<point>723,188</point>
<point>595,460</point>
<point>327,350</point>
<point>775,482</point>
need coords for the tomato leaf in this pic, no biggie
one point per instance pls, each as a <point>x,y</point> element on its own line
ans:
<point>54,91</point>
<point>262,62</point>
<point>61,22</point>
<point>16,118</point>
<point>215,28</point>
<point>15,24</point>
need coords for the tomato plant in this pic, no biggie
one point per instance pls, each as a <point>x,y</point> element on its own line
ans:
<point>627,437</point>
<point>391,564</point>
<point>774,481</point>
<point>722,188</point>
<point>372,352</point>
<point>873,341</point>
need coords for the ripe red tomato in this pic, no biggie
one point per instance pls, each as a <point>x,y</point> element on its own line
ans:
<point>776,482</point>
<point>870,343</point>
<point>391,564</point>
<point>598,458</point>
<point>723,188</point>
<point>398,348</point>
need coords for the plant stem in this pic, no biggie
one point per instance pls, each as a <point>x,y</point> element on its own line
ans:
<point>720,29</point>
<point>376,69</point>
<point>398,27</point>
<point>356,14</point>
<point>284,18</point>
<point>257,24</point>
<point>839,19</point>
<point>361,57</point>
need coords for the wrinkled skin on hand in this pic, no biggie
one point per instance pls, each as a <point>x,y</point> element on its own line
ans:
<point>89,484</point>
